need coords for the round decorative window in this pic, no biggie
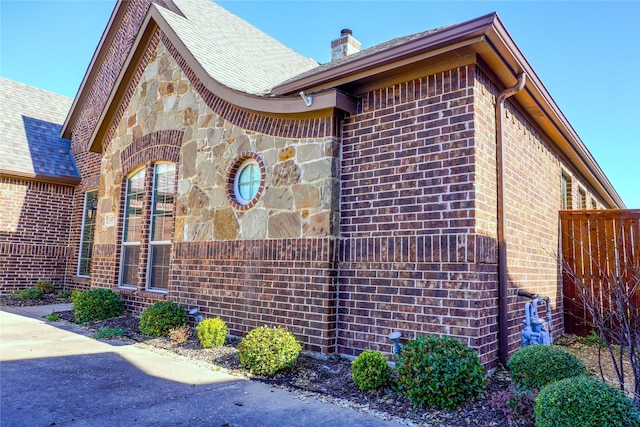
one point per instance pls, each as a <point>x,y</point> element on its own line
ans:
<point>245,181</point>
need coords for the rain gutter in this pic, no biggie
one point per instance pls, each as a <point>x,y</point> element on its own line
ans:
<point>503,312</point>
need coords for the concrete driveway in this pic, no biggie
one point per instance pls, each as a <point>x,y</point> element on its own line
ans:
<point>52,374</point>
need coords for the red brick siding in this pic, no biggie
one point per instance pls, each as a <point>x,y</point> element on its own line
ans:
<point>407,165</point>
<point>99,88</point>
<point>288,282</point>
<point>34,233</point>
<point>412,260</point>
<point>533,168</point>
<point>104,266</point>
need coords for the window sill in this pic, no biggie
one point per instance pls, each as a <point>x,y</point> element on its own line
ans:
<point>144,293</point>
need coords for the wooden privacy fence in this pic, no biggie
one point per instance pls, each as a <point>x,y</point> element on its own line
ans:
<point>600,249</point>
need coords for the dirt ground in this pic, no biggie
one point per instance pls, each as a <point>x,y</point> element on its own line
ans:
<point>330,379</point>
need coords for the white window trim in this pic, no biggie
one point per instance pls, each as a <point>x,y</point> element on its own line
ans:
<point>149,261</point>
<point>154,242</point>
<point>121,283</point>
<point>82,230</point>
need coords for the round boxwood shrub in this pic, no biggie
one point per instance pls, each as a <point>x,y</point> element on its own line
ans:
<point>267,350</point>
<point>212,332</point>
<point>97,304</point>
<point>161,317</point>
<point>370,370</point>
<point>439,372</point>
<point>537,365</point>
<point>584,402</point>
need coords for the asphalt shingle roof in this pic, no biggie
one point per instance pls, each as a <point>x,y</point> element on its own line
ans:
<point>365,52</point>
<point>30,124</point>
<point>232,51</point>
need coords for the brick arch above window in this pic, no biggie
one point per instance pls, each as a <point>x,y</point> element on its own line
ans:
<point>153,147</point>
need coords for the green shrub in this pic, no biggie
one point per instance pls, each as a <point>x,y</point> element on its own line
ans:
<point>45,287</point>
<point>161,317</point>
<point>370,370</point>
<point>584,402</point>
<point>53,317</point>
<point>97,304</point>
<point>537,365</point>
<point>439,372</point>
<point>74,294</point>
<point>64,294</point>
<point>266,350</point>
<point>180,335</point>
<point>106,332</point>
<point>592,340</point>
<point>212,332</point>
<point>30,294</point>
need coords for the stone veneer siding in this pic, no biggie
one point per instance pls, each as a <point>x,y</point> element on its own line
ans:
<point>34,233</point>
<point>271,264</point>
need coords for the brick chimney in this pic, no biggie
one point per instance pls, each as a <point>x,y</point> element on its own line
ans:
<point>344,46</point>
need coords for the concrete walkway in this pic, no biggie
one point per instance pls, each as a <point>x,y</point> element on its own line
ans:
<point>53,374</point>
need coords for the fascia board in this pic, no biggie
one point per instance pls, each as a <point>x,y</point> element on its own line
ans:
<point>567,139</point>
<point>92,70</point>
<point>71,181</point>
<point>413,50</point>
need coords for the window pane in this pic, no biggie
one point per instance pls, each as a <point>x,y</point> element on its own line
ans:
<point>164,189</point>
<point>249,181</point>
<point>133,207</point>
<point>88,227</point>
<point>130,258</point>
<point>160,257</point>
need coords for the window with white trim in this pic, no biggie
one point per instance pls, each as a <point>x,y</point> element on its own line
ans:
<point>161,226</point>
<point>148,215</point>
<point>133,211</point>
<point>87,232</point>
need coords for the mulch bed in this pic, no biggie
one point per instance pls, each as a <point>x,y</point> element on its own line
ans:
<point>330,380</point>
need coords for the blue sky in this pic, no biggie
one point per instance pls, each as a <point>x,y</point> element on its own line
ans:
<point>586,53</point>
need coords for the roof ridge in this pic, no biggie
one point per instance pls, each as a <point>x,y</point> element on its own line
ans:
<point>233,51</point>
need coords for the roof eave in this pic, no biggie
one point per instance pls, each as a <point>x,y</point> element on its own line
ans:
<point>489,38</point>
<point>447,38</point>
<point>70,181</point>
<point>92,70</point>
<point>540,101</point>
<point>98,56</point>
